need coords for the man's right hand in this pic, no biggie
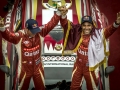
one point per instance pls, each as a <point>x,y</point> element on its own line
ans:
<point>63,10</point>
<point>1,22</point>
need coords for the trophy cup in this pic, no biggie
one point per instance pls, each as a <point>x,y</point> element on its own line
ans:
<point>54,4</point>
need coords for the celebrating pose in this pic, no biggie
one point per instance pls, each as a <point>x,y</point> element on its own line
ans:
<point>89,43</point>
<point>28,44</point>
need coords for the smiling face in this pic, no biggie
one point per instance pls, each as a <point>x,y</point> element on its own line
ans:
<point>86,28</point>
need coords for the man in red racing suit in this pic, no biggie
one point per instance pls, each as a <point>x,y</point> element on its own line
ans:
<point>87,41</point>
<point>28,44</point>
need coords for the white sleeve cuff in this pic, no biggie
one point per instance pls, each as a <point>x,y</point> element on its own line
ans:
<point>63,17</point>
<point>115,25</point>
<point>58,13</point>
<point>2,29</point>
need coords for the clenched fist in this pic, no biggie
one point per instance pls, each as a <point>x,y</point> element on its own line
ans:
<point>1,22</point>
<point>63,10</point>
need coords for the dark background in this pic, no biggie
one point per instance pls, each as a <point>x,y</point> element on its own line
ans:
<point>110,9</point>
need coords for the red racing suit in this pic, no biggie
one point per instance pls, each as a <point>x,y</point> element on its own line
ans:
<point>29,53</point>
<point>81,65</point>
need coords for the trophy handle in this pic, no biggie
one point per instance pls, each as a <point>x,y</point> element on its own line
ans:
<point>44,5</point>
<point>49,4</point>
<point>70,3</point>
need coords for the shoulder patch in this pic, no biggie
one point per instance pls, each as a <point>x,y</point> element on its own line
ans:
<point>22,31</point>
<point>16,34</point>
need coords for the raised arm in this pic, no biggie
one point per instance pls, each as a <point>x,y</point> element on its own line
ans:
<point>51,24</point>
<point>67,25</point>
<point>112,28</point>
<point>7,35</point>
<point>63,19</point>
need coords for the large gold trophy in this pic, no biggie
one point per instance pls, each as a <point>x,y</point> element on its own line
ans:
<point>54,4</point>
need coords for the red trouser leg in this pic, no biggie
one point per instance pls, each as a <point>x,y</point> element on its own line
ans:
<point>80,69</point>
<point>24,81</point>
<point>38,79</point>
<point>77,77</point>
<point>91,80</point>
<point>27,73</point>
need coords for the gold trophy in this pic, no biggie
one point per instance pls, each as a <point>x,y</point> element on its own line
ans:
<point>55,4</point>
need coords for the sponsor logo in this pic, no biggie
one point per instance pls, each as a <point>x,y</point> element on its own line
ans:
<point>31,53</point>
<point>34,25</point>
<point>58,58</point>
<point>86,18</point>
<point>58,47</point>
<point>17,34</point>
<point>26,42</point>
<point>58,64</point>
<point>58,61</point>
<point>83,52</point>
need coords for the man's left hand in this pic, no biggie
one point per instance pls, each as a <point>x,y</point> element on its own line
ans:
<point>118,18</point>
<point>1,22</point>
<point>63,10</point>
